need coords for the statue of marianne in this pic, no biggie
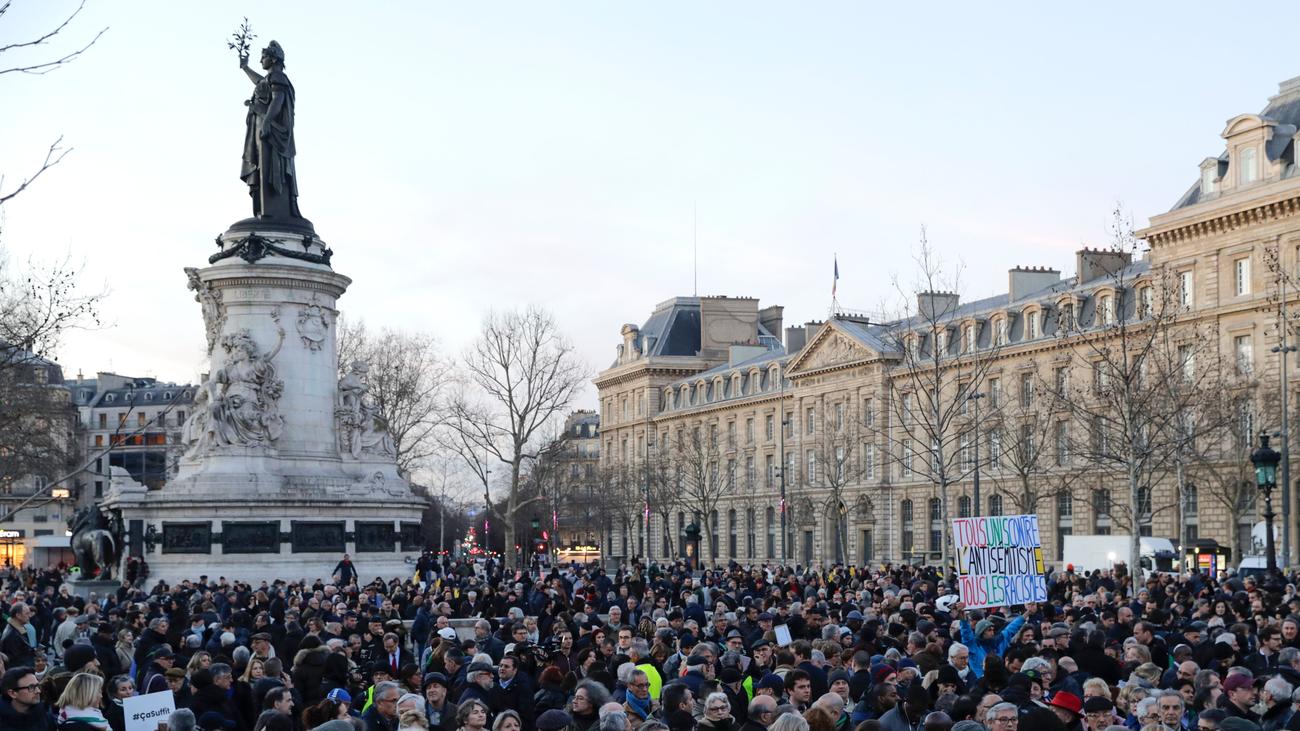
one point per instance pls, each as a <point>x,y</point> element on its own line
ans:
<point>268,166</point>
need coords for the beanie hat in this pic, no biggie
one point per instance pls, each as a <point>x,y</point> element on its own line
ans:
<point>981,627</point>
<point>76,657</point>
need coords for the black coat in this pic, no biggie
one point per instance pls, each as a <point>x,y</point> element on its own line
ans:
<point>309,674</point>
<point>213,698</point>
<point>37,719</point>
<point>13,643</point>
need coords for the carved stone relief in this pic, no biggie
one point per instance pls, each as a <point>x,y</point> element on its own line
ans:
<point>212,307</point>
<point>243,396</point>
<point>313,326</point>
<point>361,428</point>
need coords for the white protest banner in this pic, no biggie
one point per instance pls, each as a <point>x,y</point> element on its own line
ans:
<point>145,712</point>
<point>999,560</point>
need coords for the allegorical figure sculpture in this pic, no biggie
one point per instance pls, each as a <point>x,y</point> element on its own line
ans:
<point>243,396</point>
<point>362,429</point>
<point>209,299</point>
<point>269,151</point>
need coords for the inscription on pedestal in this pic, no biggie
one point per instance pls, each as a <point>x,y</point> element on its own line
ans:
<point>250,537</point>
<point>187,538</point>
<point>317,537</point>
<point>375,537</point>
<point>411,537</point>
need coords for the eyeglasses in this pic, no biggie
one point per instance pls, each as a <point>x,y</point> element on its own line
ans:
<point>1007,719</point>
<point>33,686</point>
<point>722,709</point>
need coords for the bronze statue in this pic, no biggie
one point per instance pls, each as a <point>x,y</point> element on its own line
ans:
<point>269,150</point>
<point>94,543</point>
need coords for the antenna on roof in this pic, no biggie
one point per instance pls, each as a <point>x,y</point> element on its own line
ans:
<point>695,247</point>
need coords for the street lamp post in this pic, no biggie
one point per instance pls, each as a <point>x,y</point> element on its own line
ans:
<point>974,398</point>
<point>1265,460</point>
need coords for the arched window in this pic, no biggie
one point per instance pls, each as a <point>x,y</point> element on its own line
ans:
<point>963,507</point>
<point>713,534</point>
<point>681,533</point>
<point>995,505</point>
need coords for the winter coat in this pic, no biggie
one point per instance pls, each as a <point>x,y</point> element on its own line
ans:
<point>309,674</point>
<point>997,646</point>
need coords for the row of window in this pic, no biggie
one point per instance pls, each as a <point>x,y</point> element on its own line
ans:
<point>141,419</point>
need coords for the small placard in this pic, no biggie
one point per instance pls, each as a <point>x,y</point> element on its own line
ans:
<point>147,712</point>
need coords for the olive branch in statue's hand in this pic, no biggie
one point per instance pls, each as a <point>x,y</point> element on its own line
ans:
<point>241,41</point>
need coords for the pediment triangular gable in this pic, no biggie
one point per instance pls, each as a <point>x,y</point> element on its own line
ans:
<point>831,347</point>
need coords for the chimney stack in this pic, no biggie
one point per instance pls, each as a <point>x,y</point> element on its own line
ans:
<point>1023,281</point>
<point>1094,263</point>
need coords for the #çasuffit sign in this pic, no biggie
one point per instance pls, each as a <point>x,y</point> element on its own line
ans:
<point>999,560</point>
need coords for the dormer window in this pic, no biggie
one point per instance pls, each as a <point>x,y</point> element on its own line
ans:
<point>941,341</point>
<point>1106,309</point>
<point>1031,325</point>
<point>1065,317</point>
<point>1146,298</point>
<point>1000,331</point>
<point>1247,166</point>
<point>1209,179</point>
<point>970,338</point>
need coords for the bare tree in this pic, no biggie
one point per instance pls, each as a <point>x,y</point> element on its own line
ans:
<point>40,65</point>
<point>1027,452</point>
<point>837,447</point>
<point>705,477</point>
<point>665,492</point>
<point>937,367</point>
<point>448,487</point>
<point>518,377</point>
<point>1137,349</point>
<point>408,378</point>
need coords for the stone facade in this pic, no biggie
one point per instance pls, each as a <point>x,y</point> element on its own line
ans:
<point>1227,254</point>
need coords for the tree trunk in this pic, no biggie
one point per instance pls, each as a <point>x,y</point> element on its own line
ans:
<point>1181,480</point>
<point>841,539</point>
<point>1135,539</point>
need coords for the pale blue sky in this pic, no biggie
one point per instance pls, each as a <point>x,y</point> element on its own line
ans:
<point>462,156</point>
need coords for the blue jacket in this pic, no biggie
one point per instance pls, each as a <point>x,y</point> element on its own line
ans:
<point>997,646</point>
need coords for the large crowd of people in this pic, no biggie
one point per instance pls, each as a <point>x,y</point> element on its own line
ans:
<point>463,646</point>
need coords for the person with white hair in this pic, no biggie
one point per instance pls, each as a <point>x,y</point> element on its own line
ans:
<point>959,658</point>
<point>1276,696</point>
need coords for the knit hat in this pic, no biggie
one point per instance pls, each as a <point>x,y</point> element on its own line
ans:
<point>435,677</point>
<point>338,695</point>
<point>837,674</point>
<point>948,674</point>
<point>76,657</point>
<point>771,681</point>
<point>981,627</point>
<point>553,720</point>
<point>1237,723</point>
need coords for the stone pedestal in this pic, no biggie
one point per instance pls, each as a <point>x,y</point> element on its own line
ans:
<point>85,589</point>
<point>273,484</point>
